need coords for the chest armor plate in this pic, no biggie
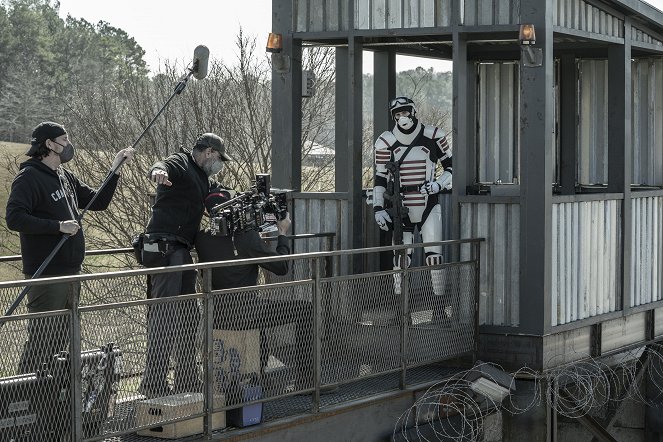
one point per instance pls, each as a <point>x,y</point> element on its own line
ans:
<point>416,169</point>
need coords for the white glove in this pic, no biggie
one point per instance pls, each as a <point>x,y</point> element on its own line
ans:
<point>382,218</point>
<point>430,188</point>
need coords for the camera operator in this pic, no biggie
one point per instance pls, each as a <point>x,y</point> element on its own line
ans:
<point>247,310</point>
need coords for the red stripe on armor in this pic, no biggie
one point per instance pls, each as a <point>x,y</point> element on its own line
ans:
<point>413,168</point>
<point>382,153</point>
<point>384,141</point>
<point>415,162</point>
<point>425,150</point>
<point>435,132</point>
<point>398,149</point>
<point>413,173</point>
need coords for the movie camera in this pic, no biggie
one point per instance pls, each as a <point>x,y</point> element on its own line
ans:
<point>258,208</point>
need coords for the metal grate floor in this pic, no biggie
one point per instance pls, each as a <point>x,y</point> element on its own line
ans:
<point>301,404</point>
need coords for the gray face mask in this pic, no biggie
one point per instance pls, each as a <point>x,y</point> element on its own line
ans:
<point>213,167</point>
<point>67,152</point>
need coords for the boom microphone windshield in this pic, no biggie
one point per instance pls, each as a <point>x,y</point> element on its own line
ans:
<point>200,58</point>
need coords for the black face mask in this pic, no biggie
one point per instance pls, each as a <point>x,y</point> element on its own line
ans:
<point>67,152</point>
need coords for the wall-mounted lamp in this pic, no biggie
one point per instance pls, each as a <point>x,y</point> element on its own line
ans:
<point>275,43</point>
<point>532,57</point>
<point>527,34</point>
<point>280,61</point>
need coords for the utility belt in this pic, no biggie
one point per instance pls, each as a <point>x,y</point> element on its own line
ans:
<point>153,249</point>
<point>166,240</point>
<point>404,189</point>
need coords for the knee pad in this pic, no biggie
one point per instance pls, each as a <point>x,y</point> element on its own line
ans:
<point>434,259</point>
<point>397,263</point>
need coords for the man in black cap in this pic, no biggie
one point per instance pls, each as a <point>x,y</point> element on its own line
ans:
<point>184,181</point>
<point>43,205</point>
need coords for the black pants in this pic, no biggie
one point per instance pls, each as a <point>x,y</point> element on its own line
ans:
<point>48,336</point>
<point>172,328</point>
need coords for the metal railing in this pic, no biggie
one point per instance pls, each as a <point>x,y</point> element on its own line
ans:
<point>233,354</point>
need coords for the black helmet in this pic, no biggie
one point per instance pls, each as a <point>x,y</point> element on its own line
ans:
<point>400,104</point>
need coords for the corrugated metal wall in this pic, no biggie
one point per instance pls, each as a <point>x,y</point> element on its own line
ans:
<point>586,257</point>
<point>320,15</point>
<point>491,12</point>
<point>644,37</point>
<point>647,121</point>
<point>316,213</point>
<point>500,259</point>
<point>332,15</point>
<point>646,250</point>
<point>583,16</point>
<point>497,115</point>
<point>593,122</point>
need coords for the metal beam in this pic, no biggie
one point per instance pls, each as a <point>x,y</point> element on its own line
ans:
<point>384,88</point>
<point>286,91</point>
<point>568,126</point>
<point>536,144</point>
<point>349,95</point>
<point>619,146</point>
<point>463,151</point>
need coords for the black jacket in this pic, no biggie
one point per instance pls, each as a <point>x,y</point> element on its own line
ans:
<point>248,244</point>
<point>178,209</point>
<point>35,207</point>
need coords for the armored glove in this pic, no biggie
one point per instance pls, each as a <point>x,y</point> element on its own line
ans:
<point>433,187</point>
<point>382,218</point>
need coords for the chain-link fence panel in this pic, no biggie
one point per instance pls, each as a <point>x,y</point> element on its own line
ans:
<point>34,391</point>
<point>441,312</point>
<point>262,339</point>
<point>363,342</point>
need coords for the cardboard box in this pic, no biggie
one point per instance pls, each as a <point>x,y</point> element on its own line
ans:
<point>236,357</point>
<point>159,411</point>
<point>248,414</point>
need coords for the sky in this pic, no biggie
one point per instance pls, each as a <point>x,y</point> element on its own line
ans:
<point>172,32</point>
<point>166,31</point>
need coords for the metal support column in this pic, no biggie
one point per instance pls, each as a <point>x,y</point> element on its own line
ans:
<point>286,91</point>
<point>349,79</point>
<point>384,88</point>
<point>568,124</point>
<point>536,146</point>
<point>619,146</point>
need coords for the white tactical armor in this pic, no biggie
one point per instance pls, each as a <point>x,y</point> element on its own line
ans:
<point>418,149</point>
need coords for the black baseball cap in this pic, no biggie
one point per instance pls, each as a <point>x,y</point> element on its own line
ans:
<point>46,130</point>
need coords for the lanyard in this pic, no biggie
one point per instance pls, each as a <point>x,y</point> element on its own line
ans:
<point>69,196</point>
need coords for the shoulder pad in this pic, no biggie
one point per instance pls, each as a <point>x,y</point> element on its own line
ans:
<point>385,140</point>
<point>433,132</point>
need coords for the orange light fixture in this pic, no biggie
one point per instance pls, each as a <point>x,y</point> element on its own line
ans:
<point>527,34</point>
<point>274,43</point>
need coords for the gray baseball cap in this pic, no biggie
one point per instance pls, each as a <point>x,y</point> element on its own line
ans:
<point>215,142</point>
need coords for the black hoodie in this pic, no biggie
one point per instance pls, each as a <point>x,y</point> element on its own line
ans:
<point>35,207</point>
